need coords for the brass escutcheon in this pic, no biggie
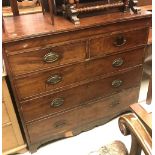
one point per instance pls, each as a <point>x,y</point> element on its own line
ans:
<point>51,57</point>
<point>57,102</point>
<point>54,79</point>
<point>117,83</point>
<point>117,62</point>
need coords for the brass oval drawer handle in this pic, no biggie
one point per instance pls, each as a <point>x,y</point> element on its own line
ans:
<point>118,62</point>
<point>57,102</point>
<point>119,41</point>
<point>60,124</point>
<point>51,57</point>
<point>117,83</point>
<point>54,79</point>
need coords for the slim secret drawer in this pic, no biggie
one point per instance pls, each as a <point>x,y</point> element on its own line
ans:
<point>67,79</point>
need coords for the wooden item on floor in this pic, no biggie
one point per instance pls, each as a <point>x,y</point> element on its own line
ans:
<point>12,140</point>
<point>144,116</point>
<point>130,124</point>
<point>139,125</point>
<point>67,79</point>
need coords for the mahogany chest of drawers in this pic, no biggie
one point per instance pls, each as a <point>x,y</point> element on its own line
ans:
<point>67,79</point>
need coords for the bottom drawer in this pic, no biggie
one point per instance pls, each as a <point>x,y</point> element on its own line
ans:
<point>82,116</point>
<point>9,140</point>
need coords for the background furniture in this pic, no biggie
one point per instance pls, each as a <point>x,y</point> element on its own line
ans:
<point>141,138</point>
<point>12,140</point>
<point>69,79</point>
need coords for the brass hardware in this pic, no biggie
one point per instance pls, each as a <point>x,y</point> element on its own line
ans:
<point>51,57</point>
<point>117,62</point>
<point>119,41</point>
<point>54,79</point>
<point>117,83</point>
<point>57,102</point>
<point>60,124</point>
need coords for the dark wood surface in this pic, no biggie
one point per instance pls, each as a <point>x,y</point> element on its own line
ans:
<point>102,45</point>
<point>67,54</point>
<point>14,7</point>
<point>19,27</point>
<point>102,57</point>
<point>33,109</point>
<point>89,113</point>
<point>71,75</point>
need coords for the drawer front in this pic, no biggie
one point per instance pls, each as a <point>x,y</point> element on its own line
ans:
<point>21,63</point>
<point>50,80</point>
<point>115,42</point>
<point>64,100</point>
<point>5,116</point>
<point>74,34</point>
<point>80,117</point>
<point>9,140</point>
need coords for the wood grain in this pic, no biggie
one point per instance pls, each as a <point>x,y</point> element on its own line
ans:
<point>41,107</point>
<point>90,113</point>
<point>29,61</point>
<point>17,28</point>
<point>75,73</point>
<point>88,52</point>
<point>102,45</point>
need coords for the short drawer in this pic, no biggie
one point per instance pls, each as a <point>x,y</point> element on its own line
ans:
<point>26,62</point>
<point>80,117</point>
<point>117,41</point>
<point>52,79</point>
<point>64,100</point>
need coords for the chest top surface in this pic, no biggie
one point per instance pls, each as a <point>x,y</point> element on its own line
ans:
<point>36,25</point>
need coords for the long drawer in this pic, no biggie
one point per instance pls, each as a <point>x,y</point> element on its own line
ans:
<point>53,79</point>
<point>60,124</point>
<point>22,63</point>
<point>102,45</point>
<point>61,101</point>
